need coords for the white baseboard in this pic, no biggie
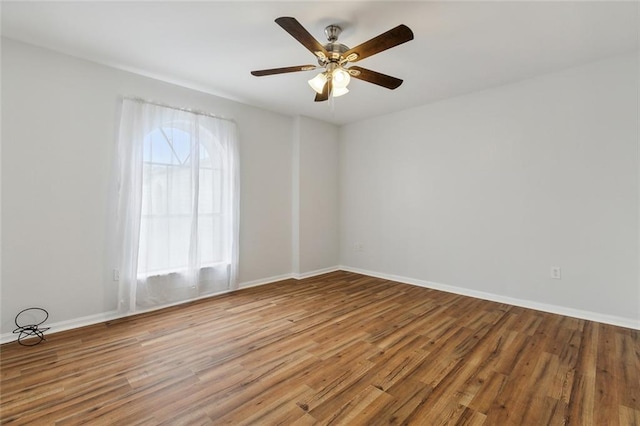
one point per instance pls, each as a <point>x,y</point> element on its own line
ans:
<point>554,309</point>
<point>263,281</point>
<point>111,315</point>
<point>68,324</point>
<point>561,310</point>
<point>316,272</point>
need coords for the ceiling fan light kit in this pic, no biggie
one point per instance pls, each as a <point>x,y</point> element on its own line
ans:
<point>318,82</point>
<point>340,79</point>
<point>333,58</point>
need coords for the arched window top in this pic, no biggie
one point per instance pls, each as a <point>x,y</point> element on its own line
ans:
<point>171,145</point>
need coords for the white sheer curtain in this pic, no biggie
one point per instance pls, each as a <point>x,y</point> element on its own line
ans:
<point>178,205</point>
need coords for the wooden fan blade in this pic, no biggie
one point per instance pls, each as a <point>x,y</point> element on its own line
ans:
<point>393,37</point>
<point>297,31</point>
<point>321,97</point>
<point>375,77</point>
<point>283,70</point>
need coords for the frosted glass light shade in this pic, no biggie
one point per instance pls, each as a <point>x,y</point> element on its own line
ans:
<point>341,78</point>
<point>339,91</point>
<point>317,83</point>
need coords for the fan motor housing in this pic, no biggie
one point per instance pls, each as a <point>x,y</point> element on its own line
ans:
<point>333,48</point>
<point>335,51</point>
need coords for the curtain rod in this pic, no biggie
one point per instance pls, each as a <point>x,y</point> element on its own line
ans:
<point>193,111</point>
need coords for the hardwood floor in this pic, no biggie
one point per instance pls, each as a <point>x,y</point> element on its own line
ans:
<point>341,348</point>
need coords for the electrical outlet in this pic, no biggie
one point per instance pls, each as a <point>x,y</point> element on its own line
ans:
<point>556,273</point>
<point>358,247</point>
<point>116,275</point>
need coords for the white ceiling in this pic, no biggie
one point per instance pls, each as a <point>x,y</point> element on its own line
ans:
<point>459,47</point>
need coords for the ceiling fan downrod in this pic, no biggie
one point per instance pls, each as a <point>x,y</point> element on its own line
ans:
<point>332,32</point>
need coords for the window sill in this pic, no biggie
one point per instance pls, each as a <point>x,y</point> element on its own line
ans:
<point>181,271</point>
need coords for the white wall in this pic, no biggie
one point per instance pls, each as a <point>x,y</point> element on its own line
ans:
<point>486,192</point>
<point>59,121</point>
<point>315,199</point>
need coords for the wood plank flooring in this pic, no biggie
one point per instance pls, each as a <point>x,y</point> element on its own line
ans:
<point>341,348</point>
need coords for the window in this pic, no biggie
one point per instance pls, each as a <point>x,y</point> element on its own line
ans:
<point>168,202</point>
<point>178,205</point>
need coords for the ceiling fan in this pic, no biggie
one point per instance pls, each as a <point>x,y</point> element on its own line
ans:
<point>333,58</point>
